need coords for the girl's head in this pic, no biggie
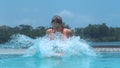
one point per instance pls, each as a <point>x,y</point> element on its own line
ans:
<point>56,21</point>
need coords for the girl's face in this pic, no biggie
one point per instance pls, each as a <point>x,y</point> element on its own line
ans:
<point>56,25</point>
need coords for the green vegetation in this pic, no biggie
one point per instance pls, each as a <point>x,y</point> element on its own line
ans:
<point>93,32</point>
<point>6,32</point>
<point>99,33</point>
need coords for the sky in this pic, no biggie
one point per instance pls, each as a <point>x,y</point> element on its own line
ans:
<point>75,13</point>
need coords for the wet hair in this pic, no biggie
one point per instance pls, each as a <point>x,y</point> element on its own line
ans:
<point>57,19</point>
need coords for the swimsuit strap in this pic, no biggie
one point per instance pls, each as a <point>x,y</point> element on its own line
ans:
<point>62,30</point>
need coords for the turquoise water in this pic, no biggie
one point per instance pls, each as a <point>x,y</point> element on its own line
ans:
<point>106,60</point>
<point>58,53</point>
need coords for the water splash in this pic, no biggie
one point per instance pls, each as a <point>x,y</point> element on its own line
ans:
<point>44,47</point>
<point>73,46</point>
<point>18,41</point>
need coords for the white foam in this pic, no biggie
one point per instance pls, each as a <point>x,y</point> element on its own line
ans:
<point>44,47</point>
<point>73,46</point>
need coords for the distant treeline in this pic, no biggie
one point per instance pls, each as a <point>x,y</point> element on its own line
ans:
<point>99,33</point>
<point>93,32</point>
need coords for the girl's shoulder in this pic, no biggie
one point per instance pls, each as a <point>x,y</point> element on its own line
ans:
<point>49,30</point>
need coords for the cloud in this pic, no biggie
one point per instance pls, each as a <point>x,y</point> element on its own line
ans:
<point>76,16</point>
<point>66,13</point>
<point>76,19</point>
